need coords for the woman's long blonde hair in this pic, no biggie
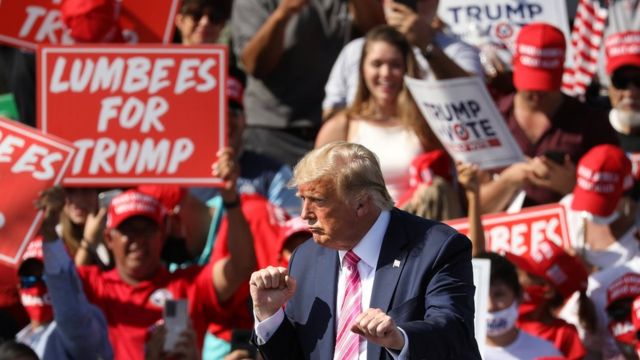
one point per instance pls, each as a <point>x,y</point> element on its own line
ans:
<point>407,111</point>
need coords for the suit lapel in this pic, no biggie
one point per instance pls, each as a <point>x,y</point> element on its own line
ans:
<point>391,261</point>
<point>326,289</point>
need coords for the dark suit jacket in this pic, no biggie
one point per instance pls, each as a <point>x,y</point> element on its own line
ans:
<point>429,295</point>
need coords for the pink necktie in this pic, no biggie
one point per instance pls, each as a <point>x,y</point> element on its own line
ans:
<point>347,342</point>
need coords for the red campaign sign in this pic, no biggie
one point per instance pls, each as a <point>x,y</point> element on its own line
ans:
<point>144,114</point>
<point>27,23</point>
<point>29,163</point>
<point>519,232</point>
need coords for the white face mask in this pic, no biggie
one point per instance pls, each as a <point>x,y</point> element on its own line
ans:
<point>601,220</point>
<point>501,321</point>
<point>624,120</point>
<point>618,253</point>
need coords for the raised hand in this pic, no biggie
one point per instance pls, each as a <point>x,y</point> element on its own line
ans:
<point>416,28</point>
<point>228,170</point>
<point>51,201</point>
<point>290,7</point>
<point>270,289</point>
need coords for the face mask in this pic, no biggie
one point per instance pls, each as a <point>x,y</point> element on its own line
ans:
<point>601,220</point>
<point>37,303</point>
<point>623,119</point>
<point>533,298</point>
<point>501,321</point>
<point>615,254</point>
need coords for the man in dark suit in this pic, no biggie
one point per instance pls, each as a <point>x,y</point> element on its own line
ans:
<point>413,284</point>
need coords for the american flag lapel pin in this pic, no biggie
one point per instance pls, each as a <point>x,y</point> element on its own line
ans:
<point>396,263</point>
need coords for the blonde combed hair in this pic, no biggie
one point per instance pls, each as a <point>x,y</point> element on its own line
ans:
<point>353,169</point>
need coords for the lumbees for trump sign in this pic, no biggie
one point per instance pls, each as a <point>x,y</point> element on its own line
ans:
<point>141,114</point>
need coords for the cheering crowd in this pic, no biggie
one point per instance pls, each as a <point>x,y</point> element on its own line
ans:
<point>310,74</point>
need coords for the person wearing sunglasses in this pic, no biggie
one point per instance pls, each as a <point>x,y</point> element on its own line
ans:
<point>63,324</point>
<point>202,21</point>
<point>622,52</point>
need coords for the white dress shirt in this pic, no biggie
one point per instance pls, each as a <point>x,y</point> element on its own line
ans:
<point>368,250</point>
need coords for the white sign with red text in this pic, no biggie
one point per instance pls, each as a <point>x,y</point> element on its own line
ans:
<point>501,20</point>
<point>29,163</point>
<point>465,119</point>
<point>519,232</point>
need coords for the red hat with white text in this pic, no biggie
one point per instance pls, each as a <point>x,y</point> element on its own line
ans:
<point>132,203</point>
<point>622,323</point>
<point>622,49</point>
<point>603,175</point>
<point>551,262</point>
<point>538,59</point>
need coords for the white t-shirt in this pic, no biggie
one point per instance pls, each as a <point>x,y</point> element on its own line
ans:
<point>395,147</point>
<point>526,347</point>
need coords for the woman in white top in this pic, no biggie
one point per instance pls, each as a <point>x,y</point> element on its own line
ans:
<point>383,116</point>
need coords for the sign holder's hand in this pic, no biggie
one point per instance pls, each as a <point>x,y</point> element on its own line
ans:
<point>51,201</point>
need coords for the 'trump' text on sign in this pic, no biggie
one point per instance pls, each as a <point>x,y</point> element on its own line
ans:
<point>466,121</point>
<point>27,23</point>
<point>136,115</point>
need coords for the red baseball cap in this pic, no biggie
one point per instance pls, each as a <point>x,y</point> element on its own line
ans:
<point>626,286</point>
<point>538,59</point>
<point>549,261</point>
<point>603,174</point>
<point>92,20</point>
<point>622,49</point>
<point>132,203</point>
<point>424,168</point>
<point>168,195</point>
<point>294,226</point>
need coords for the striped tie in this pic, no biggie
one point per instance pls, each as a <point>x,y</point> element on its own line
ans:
<point>348,342</point>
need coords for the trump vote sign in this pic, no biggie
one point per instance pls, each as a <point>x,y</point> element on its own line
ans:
<point>29,163</point>
<point>141,114</point>
<point>27,23</point>
<point>466,121</point>
<point>519,232</point>
<point>501,20</point>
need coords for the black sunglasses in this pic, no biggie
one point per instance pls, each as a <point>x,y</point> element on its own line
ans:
<point>215,17</point>
<point>622,81</point>
<point>27,282</point>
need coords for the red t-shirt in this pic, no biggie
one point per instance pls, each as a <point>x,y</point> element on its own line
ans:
<point>131,310</point>
<point>265,221</point>
<point>563,335</point>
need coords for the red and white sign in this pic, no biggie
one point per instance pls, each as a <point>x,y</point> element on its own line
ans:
<point>519,232</point>
<point>27,23</point>
<point>143,114</point>
<point>29,163</point>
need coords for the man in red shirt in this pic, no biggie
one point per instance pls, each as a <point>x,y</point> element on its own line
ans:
<point>132,295</point>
